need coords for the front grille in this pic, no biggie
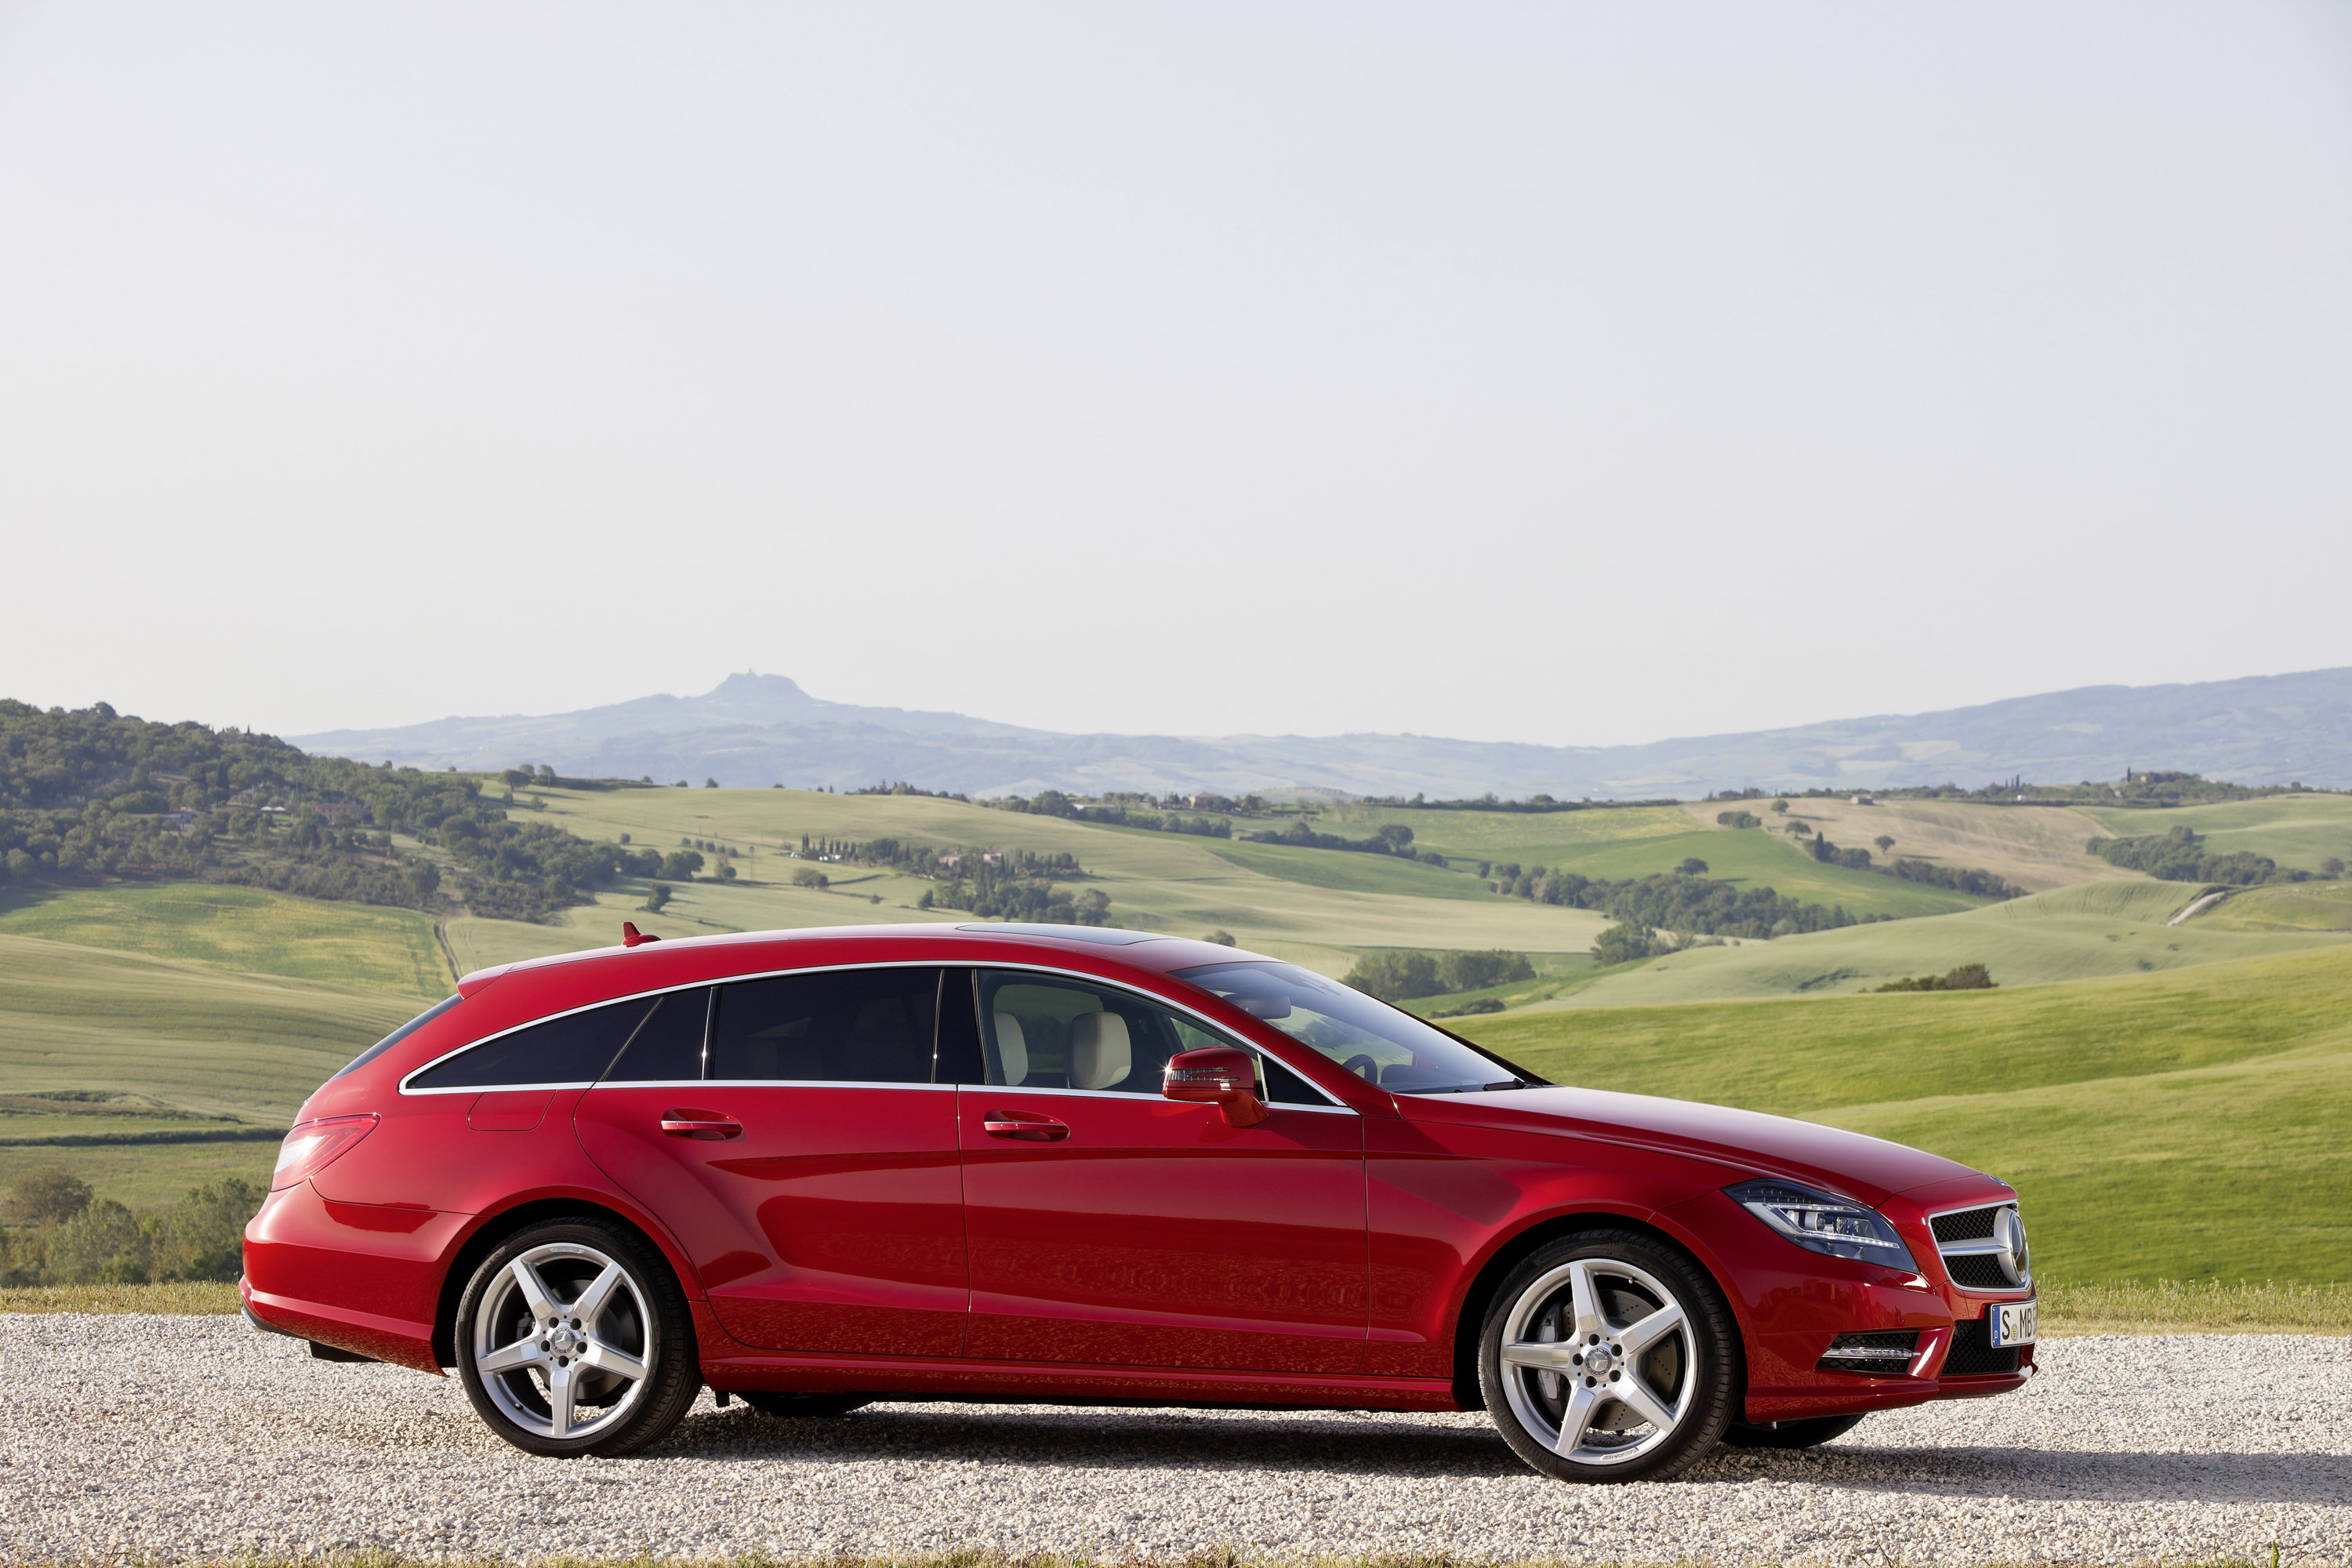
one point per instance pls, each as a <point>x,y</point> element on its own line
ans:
<point>1898,1345</point>
<point>1971,1242</point>
<point>1973,1354</point>
<point>1975,1271</point>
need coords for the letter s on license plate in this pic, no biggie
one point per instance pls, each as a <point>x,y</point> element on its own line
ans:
<point>2014,1323</point>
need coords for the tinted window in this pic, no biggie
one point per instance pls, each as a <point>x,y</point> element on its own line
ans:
<point>1042,1033</point>
<point>1378,1043</point>
<point>400,1034</point>
<point>573,1049</point>
<point>667,1047</point>
<point>841,1025</point>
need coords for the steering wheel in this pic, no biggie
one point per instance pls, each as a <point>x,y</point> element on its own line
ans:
<point>1363,1067</point>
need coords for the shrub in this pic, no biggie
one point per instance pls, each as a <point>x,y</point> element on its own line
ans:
<point>810,877</point>
<point>46,1195</point>
<point>1737,819</point>
<point>1222,937</point>
<point>1966,977</point>
<point>202,1235</point>
<point>1692,866</point>
<point>1477,970</point>
<point>102,1245</point>
<point>1622,943</point>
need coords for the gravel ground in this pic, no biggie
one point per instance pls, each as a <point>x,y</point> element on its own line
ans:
<point>173,1439</point>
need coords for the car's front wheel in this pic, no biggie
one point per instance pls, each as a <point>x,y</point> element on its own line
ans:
<point>573,1338</point>
<point>1609,1357</point>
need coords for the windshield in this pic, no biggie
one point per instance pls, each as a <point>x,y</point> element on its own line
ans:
<point>1371,1039</point>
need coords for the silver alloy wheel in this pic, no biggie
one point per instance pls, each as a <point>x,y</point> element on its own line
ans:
<point>564,1327</point>
<point>1586,1382</point>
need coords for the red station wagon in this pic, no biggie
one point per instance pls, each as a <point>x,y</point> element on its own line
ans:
<point>815,1169</point>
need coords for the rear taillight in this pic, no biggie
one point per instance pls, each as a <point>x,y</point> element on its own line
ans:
<point>315,1145</point>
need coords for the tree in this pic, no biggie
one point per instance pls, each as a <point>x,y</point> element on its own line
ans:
<point>725,871</point>
<point>810,877</point>
<point>680,865</point>
<point>46,1193</point>
<point>1397,834</point>
<point>1221,937</point>
<point>710,783</point>
<point>1394,977</point>
<point>656,899</point>
<point>1692,866</point>
<point>1780,808</point>
<point>1884,841</point>
<point>2331,866</point>
<point>1737,819</point>
<point>1622,944</point>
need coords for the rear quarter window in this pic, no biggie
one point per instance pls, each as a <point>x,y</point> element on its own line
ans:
<point>573,1049</point>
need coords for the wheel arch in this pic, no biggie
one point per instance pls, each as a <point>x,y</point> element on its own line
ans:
<point>494,1226</point>
<point>1470,1313</point>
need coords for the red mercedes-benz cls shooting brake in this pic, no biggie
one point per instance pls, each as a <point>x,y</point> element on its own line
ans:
<point>815,1169</point>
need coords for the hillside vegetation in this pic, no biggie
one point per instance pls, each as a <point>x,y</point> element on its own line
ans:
<point>243,930</point>
<point>2074,933</point>
<point>2155,1126</point>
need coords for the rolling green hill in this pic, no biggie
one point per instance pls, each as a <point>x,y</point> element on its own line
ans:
<point>233,1049</point>
<point>2074,933</point>
<point>220,926</point>
<point>2160,1126</point>
<point>2298,831</point>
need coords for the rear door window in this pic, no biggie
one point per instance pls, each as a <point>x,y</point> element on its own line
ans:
<point>839,1026</point>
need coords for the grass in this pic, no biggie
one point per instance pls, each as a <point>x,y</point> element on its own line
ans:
<point>2297,907</point>
<point>1755,859</point>
<point>249,1047</point>
<point>2298,831</point>
<point>1156,881</point>
<point>245,930</point>
<point>2175,1126</point>
<point>2110,928</point>
<point>178,1298</point>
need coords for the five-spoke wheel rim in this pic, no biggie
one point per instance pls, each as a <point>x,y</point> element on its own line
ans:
<point>1598,1361</point>
<point>561,1343</point>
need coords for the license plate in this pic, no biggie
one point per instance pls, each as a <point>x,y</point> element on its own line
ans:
<point>2012,1324</point>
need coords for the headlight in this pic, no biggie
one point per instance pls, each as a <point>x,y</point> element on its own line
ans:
<point>1821,1223</point>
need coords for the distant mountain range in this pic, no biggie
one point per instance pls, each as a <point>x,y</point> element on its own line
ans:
<point>760,729</point>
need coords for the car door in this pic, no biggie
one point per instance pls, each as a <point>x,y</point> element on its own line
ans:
<point>789,1131</point>
<point>1112,1227</point>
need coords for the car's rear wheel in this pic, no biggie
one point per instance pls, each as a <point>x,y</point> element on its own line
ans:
<point>1790,1434</point>
<point>769,1403</point>
<point>573,1338</point>
<point>1609,1357</point>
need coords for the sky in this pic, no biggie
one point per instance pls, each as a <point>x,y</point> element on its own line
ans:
<point>1571,373</point>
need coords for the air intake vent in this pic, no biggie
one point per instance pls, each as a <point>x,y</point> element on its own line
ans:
<point>1972,1355</point>
<point>1885,1352</point>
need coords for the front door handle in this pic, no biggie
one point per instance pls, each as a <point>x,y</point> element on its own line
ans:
<point>1025,1125</point>
<point>707,1126</point>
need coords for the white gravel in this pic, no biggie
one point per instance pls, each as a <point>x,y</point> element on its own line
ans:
<point>178,1438</point>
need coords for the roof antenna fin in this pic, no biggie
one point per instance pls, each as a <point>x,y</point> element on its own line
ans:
<point>631,936</point>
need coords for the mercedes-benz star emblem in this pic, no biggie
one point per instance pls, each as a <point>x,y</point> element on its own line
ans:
<point>2010,1231</point>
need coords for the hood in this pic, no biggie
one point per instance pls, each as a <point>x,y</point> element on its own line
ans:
<point>1859,1166</point>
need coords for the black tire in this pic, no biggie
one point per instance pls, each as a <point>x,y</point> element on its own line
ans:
<point>1790,1434</point>
<point>769,1403</point>
<point>1687,1369</point>
<point>637,1318</point>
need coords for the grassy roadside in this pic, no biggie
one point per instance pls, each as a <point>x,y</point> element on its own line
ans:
<point>2169,1307</point>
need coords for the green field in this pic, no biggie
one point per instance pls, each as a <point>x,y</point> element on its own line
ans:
<point>242,929</point>
<point>2163,1126</point>
<point>1157,881</point>
<point>2074,933</point>
<point>2298,831</point>
<point>2301,906</point>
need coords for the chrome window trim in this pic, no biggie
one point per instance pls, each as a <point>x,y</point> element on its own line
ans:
<point>1208,1023</point>
<point>762,1083</point>
<point>1136,1096</point>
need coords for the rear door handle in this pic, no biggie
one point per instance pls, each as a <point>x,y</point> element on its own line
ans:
<point>709,1126</point>
<point>1025,1125</point>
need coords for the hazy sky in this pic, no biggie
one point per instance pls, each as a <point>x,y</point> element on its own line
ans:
<point>1574,374</point>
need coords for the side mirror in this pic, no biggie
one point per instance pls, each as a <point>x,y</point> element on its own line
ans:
<point>1219,1076</point>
